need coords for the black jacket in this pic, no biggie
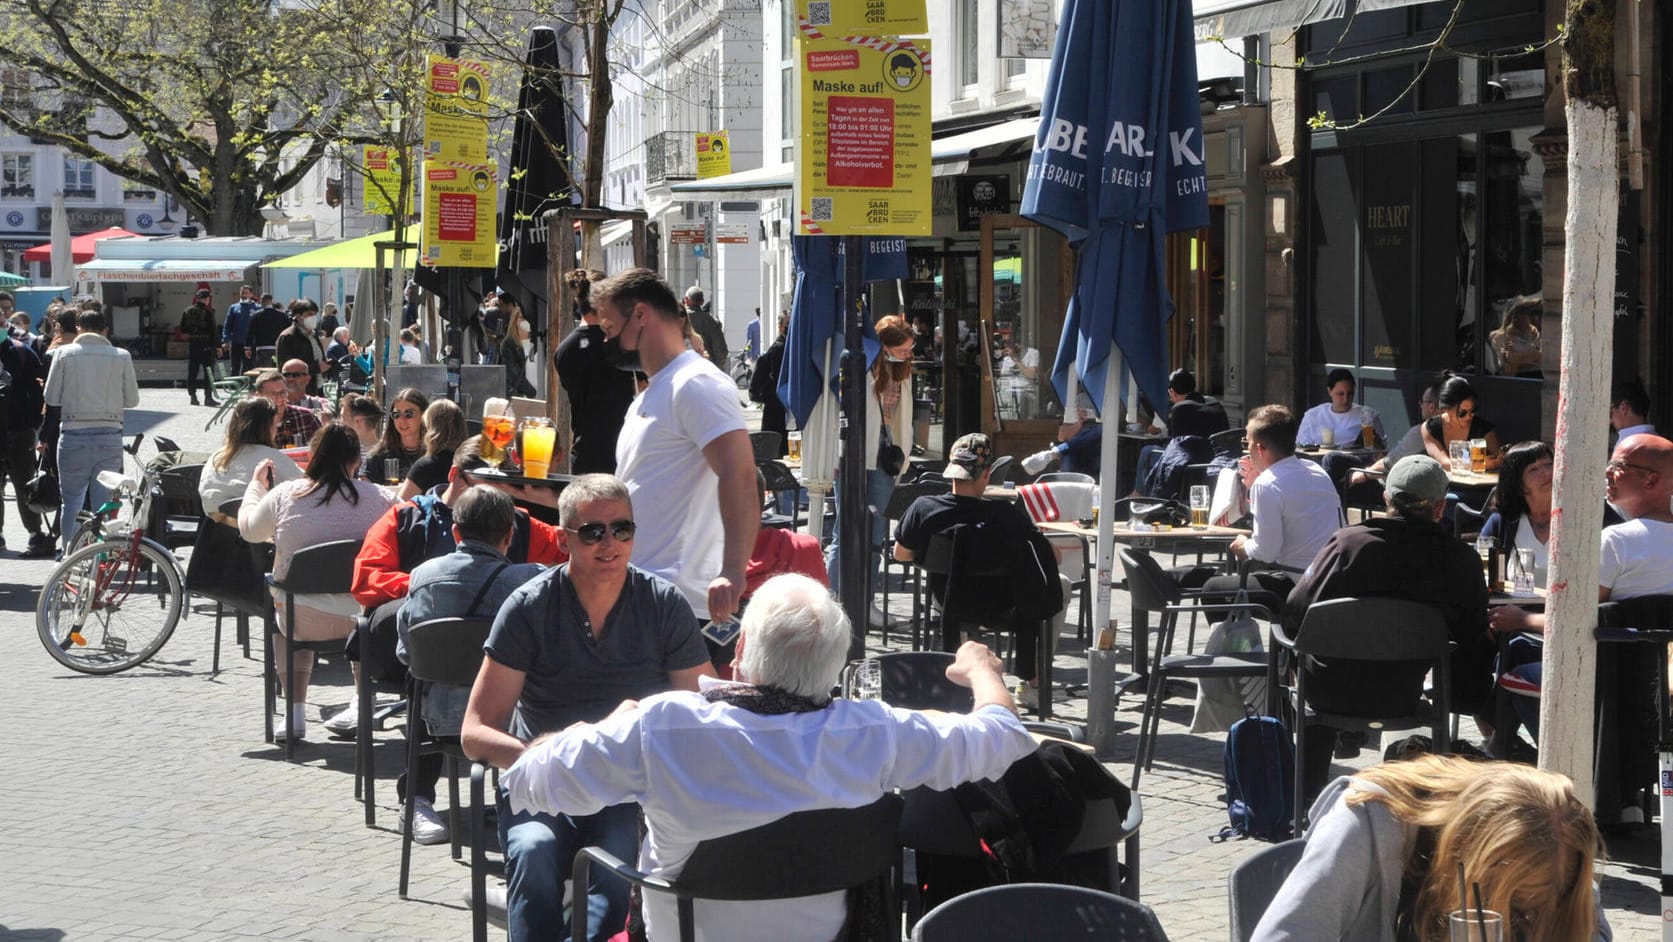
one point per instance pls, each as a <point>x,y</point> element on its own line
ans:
<point>24,399</point>
<point>599,395</point>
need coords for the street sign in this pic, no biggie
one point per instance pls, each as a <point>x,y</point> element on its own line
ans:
<point>732,233</point>
<point>689,233</point>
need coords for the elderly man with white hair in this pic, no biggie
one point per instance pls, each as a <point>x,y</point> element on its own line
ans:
<point>734,756</point>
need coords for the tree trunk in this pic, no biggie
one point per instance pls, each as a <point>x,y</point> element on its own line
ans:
<point>600,98</point>
<point>1566,713</point>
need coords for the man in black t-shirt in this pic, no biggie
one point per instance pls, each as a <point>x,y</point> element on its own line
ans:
<point>1190,412</point>
<point>599,394</point>
<point>1005,526</point>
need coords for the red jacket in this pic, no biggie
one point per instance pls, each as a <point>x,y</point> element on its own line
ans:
<point>380,576</point>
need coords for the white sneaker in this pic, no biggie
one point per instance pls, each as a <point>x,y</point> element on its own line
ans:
<point>1039,460</point>
<point>297,728</point>
<point>346,722</point>
<point>428,827</point>
<point>1027,696</point>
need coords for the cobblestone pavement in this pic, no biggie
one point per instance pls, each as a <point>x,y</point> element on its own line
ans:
<point>146,806</point>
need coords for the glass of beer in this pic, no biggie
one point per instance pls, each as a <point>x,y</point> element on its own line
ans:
<point>796,445</point>
<point>1199,506</point>
<point>539,437</point>
<point>496,438</point>
<point>1367,433</point>
<point>1478,455</point>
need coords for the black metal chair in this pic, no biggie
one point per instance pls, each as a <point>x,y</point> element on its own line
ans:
<point>439,651</point>
<point>178,512</point>
<point>1154,591</point>
<point>1000,471</point>
<point>325,569</point>
<point>902,498</point>
<point>230,572</point>
<point>1253,883</point>
<point>780,479</point>
<point>1228,444</point>
<point>1375,630</point>
<point>1039,911</point>
<point>800,854</point>
<point>766,445</point>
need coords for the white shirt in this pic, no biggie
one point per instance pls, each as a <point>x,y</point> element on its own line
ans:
<point>703,770</point>
<point>676,495</point>
<point>1637,559</point>
<point>1631,430</point>
<point>1345,425</point>
<point>1296,509</point>
<point>216,487</point>
<point>1526,540</point>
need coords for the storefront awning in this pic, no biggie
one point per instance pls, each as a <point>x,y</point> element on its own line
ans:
<point>613,233</point>
<point>951,156</point>
<point>166,270</point>
<point>1231,19</point>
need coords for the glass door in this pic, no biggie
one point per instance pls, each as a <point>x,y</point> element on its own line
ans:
<point>1026,272</point>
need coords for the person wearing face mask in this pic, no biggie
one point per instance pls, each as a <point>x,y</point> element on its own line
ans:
<point>300,342</point>
<point>515,350</point>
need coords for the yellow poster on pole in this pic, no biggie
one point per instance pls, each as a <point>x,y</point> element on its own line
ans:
<point>864,168</point>
<point>459,202</point>
<point>862,17</point>
<point>382,169</point>
<point>455,110</point>
<point>714,155</point>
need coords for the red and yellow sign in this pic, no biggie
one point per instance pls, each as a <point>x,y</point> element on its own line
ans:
<point>459,203</point>
<point>714,155</point>
<point>862,17</point>
<point>382,168</point>
<point>865,169</point>
<point>455,110</point>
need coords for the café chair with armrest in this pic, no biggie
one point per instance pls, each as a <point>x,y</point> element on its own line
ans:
<point>1039,911</point>
<point>766,445</point>
<point>800,854</point>
<point>1065,477</point>
<point>1633,703</point>
<point>228,571</point>
<point>178,515</point>
<point>900,500</point>
<point>1366,630</point>
<point>1227,444</point>
<point>917,680</point>
<point>781,480</point>
<point>1154,591</point>
<point>999,471</point>
<point>324,569</point>
<point>439,651</point>
<point>1254,882</point>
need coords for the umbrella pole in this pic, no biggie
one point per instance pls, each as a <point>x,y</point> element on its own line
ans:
<point>1108,478</point>
<point>854,522</point>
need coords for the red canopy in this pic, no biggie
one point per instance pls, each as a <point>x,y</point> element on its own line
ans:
<point>81,247</point>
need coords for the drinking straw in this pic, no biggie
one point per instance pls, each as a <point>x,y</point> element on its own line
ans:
<point>1463,900</point>
<point>1480,916</point>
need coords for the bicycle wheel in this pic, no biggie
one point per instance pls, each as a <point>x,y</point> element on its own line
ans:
<point>109,606</point>
<point>90,529</point>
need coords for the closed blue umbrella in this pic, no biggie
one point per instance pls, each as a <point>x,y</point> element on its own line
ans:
<point>1117,164</point>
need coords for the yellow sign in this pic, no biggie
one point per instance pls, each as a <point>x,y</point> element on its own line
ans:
<point>862,17</point>
<point>459,202</point>
<point>864,168</point>
<point>456,110</point>
<point>714,155</point>
<point>383,180</point>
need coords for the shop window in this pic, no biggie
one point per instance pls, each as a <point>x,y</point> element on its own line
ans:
<point>1335,243</point>
<point>1027,322</point>
<point>1391,89</point>
<point>1336,98</point>
<point>1512,227</point>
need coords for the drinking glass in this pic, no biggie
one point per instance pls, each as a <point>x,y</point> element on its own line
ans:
<point>392,470</point>
<point>1524,570</point>
<point>795,445</point>
<point>1475,925</point>
<point>1478,455</point>
<point>496,437</point>
<point>1368,434</point>
<point>1327,436</point>
<point>1484,549</point>
<point>1459,453</point>
<point>1199,506</point>
<point>538,439</point>
<point>868,681</point>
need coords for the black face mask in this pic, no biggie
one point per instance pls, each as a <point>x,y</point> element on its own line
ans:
<point>625,360</point>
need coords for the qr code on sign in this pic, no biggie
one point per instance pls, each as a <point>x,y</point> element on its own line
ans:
<point>819,13</point>
<point>822,211</point>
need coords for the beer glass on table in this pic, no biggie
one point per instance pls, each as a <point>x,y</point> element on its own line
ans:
<point>1199,506</point>
<point>1478,455</point>
<point>795,453</point>
<point>1367,433</point>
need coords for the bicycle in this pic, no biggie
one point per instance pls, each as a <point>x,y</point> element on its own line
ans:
<point>117,596</point>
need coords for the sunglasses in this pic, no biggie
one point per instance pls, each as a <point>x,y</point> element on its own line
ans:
<point>591,534</point>
<point>403,413</point>
<point>296,375</point>
<point>1622,467</point>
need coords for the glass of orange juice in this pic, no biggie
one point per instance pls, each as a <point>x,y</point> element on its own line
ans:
<point>539,437</point>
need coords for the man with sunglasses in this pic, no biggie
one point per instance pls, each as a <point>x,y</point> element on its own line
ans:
<point>297,378</point>
<point>567,647</point>
<point>684,450</point>
<point>296,424</point>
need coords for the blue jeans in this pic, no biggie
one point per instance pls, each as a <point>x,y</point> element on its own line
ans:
<point>879,488</point>
<point>82,454</point>
<point>539,856</point>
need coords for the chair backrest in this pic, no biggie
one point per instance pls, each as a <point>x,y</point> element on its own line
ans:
<point>1039,911</point>
<point>1228,444</point>
<point>1151,589</point>
<point>1000,471</point>
<point>1071,500</point>
<point>1373,629</point>
<point>325,569</point>
<point>779,476</point>
<point>1067,477</point>
<point>447,650</point>
<point>1254,882</point>
<point>179,485</point>
<point>766,445</point>
<point>164,443</point>
<point>800,854</point>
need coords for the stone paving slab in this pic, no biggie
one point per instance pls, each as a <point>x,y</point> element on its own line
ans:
<point>146,806</point>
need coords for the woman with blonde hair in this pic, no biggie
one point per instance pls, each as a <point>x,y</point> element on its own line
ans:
<point>888,444</point>
<point>1383,855</point>
<point>444,429</point>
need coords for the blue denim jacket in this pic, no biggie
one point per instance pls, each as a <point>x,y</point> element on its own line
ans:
<point>443,588</point>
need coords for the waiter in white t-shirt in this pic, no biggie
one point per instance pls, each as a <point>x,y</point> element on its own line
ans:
<point>684,450</point>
